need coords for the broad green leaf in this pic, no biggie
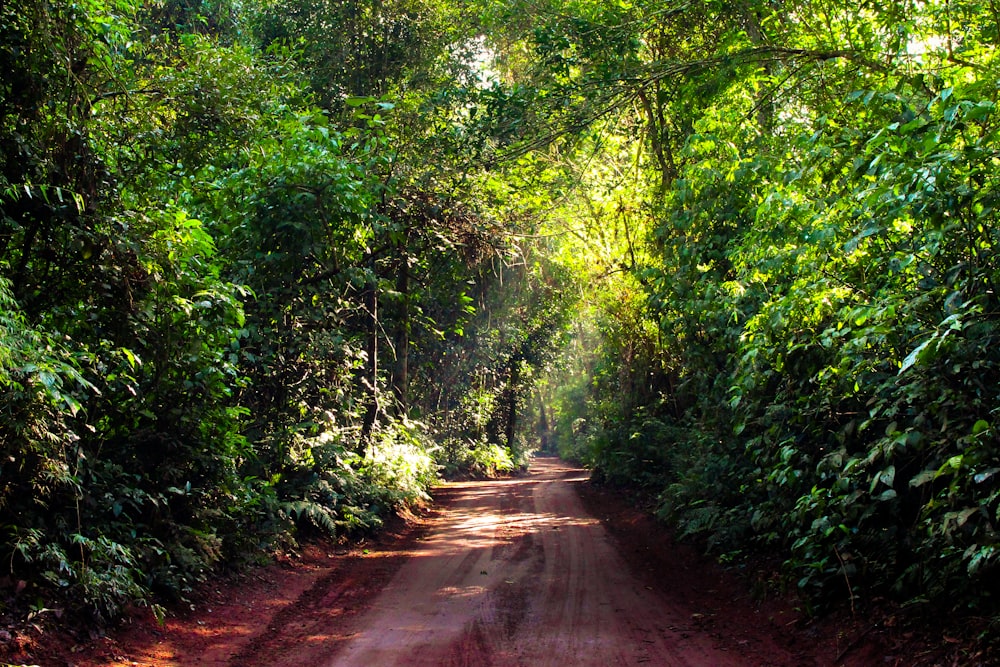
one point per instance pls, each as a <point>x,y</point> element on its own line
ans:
<point>923,477</point>
<point>912,357</point>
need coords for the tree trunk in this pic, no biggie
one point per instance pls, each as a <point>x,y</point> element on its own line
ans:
<point>659,141</point>
<point>400,369</point>
<point>543,424</point>
<point>371,374</point>
<point>765,103</point>
<point>510,428</point>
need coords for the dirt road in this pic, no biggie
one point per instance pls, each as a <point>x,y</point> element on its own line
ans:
<point>518,573</point>
<point>501,573</point>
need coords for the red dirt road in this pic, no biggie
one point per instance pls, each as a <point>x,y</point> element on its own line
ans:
<point>502,573</point>
<point>518,573</point>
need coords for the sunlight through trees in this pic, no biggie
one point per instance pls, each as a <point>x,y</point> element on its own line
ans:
<point>272,268</point>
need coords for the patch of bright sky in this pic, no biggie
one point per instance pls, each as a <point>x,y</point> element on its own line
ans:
<point>482,60</point>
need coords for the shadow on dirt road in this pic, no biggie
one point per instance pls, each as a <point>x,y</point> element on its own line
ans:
<point>501,573</point>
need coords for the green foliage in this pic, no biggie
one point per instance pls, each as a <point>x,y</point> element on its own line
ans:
<point>399,462</point>
<point>270,268</point>
<point>807,367</point>
<point>479,459</point>
<point>236,274</point>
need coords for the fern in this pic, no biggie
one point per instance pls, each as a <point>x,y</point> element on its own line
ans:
<point>306,510</point>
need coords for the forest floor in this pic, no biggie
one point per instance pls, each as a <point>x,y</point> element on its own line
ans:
<point>541,569</point>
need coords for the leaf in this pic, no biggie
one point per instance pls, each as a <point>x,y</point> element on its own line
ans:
<point>980,111</point>
<point>912,357</point>
<point>923,477</point>
<point>981,477</point>
<point>914,124</point>
<point>71,404</point>
<point>133,361</point>
<point>962,517</point>
<point>853,244</point>
<point>49,379</point>
<point>980,556</point>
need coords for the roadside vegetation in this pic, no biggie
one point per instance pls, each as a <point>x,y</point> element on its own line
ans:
<point>253,286</point>
<point>796,329</point>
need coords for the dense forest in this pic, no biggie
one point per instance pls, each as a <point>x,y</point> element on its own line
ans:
<point>270,268</point>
